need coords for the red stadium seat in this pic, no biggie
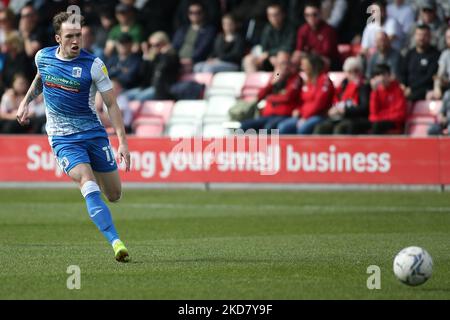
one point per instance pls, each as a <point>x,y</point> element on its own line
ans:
<point>161,109</point>
<point>417,125</point>
<point>200,77</point>
<point>253,83</point>
<point>426,108</point>
<point>149,129</point>
<point>135,107</point>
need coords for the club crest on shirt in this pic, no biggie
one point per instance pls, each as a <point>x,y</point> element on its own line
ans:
<point>76,72</point>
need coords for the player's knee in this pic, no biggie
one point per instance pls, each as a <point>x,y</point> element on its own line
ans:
<point>114,196</point>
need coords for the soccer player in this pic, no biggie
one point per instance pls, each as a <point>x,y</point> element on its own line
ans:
<point>69,78</point>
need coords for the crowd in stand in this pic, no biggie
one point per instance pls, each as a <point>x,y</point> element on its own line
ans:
<point>400,54</point>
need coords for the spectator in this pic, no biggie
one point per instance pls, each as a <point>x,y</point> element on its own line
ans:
<point>211,9</point>
<point>317,37</point>
<point>387,103</point>
<point>428,15</point>
<point>7,24</point>
<point>334,11</point>
<point>419,66</point>
<point>126,16</point>
<point>384,54</point>
<point>159,70</point>
<point>107,22</point>
<point>351,102</point>
<point>10,104</point>
<point>404,14</point>
<point>442,90</point>
<point>194,41</point>
<point>122,102</point>
<point>381,22</point>
<point>15,60</point>
<point>124,65</point>
<point>281,96</point>
<point>228,50</point>
<point>442,79</point>
<point>277,35</point>
<point>316,97</point>
<point>32,33</point>
<point>88,41</point>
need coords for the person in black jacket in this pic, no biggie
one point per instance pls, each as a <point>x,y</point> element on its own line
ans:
<point>419,66</point>
<point>159,69</point>
<point>351,102</point>
<point>228,50</point>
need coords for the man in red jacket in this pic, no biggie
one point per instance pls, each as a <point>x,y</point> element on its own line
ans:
<point>387,104</point>
<point>316,36</point>
<point>281,95</point>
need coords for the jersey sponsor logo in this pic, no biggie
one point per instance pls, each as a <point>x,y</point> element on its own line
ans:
<point>61,83</point>
<point>76,72</point>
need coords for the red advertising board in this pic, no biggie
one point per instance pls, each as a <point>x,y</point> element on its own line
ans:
<point>366,160</point>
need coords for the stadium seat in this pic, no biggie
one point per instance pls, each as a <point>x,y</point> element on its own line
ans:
<point>214,130</point>
<point>218,107</point>
<point>253,83</point>
<point>417,125</point>
<point>183,128</point>
<point>188,109</point>
<point>200,77</point>
<point>162,109</point>
<point>143,129</point>
<point>337,78</point>
<point>226,84</point>
<point>135,106</point>
<point>426,108</point>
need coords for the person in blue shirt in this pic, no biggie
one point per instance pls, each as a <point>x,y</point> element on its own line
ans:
<point>69,78</point>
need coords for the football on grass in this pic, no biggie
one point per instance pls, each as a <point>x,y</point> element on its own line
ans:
<point>413,266</point>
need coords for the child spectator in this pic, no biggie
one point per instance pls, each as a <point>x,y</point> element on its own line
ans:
<point>316,97</point>
<point>228,50</point>
<point>387,103</point>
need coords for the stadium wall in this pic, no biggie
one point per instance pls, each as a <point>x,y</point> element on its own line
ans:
<point>251,160</point>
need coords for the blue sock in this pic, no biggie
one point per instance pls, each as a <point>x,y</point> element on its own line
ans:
<point>99,211</point>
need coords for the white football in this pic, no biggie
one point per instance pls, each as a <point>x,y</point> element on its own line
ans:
<point>413,266</point>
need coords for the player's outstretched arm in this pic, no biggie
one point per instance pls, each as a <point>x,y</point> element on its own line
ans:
<point>33,92</point>
<point>116,120</point>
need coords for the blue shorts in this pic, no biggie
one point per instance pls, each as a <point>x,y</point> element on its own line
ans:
<point>90,146</point>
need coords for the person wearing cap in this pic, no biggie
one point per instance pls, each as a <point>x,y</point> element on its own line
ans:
<point>126,16</point>
<point>428,15</point>
<point>419,65</point>
<point>124,65</point>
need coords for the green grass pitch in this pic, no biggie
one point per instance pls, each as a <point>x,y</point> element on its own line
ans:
<point>193,244</point>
